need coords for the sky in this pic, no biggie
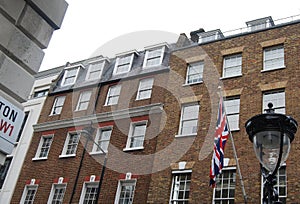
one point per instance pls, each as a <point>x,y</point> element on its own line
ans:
<point>97,27</point>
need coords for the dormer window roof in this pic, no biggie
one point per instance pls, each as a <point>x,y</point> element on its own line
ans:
<point>260,23</point>
<point>210,36</point>
<point>154,55</point>
<point>124,61</point>
<point>70,75</point>
<point>95,69</point>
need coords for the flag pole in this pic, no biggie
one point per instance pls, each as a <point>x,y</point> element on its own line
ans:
<point>235,156</point>
<point>237,164</point>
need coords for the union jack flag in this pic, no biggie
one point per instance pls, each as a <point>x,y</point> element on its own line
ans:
<point>221,136</point>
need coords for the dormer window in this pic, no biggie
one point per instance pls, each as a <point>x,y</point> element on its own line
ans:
<point>124,62</point>
<point>95,70</point>
<point>261,23</point>
<point>210,36</point>
<point>70,75</point>
<point>154,55</point>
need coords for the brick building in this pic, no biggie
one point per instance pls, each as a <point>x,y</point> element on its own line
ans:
<point>155,113</point>
<point>9,172</point>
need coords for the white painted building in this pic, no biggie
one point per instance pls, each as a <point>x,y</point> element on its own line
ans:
<point>26,29</point>
<point>10,171</point>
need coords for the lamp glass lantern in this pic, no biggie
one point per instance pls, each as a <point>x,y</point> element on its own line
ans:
<point>271,134</point>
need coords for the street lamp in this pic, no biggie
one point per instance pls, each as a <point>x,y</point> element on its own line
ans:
<point>88,131</point>
<point>271,134</point>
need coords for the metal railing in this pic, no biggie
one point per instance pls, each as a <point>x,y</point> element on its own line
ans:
<point>248,29</point>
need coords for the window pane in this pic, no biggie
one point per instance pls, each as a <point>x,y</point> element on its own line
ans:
<point>232,65</point>
<point>70,76</point>
<point>189,119</point>
<point>72,143</point>
<point>58,194</point>
<point>90,194</point>
<point>126,192</point>
<point>46,143</point>
<point>123,64</point>
<point>145,89</point>
<point>225,189</point>
<point>104,139</point>
<point>57,105</point>
<point>4,169</point>
<point>113,95</point>
<point>30,194</point>
<point>190,112</point>
<point>180,188</point>
<point>95,70</point>
<point>281,185</point>
<point>232,108</point>
<point>189,127</point>
<point>138,135</point>
<point>273,57</point>
<point>83,100</point>
<point>153,57</point>
<point>278,100</point>
<point>195,72</point>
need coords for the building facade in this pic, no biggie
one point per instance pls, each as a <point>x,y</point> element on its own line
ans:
<point>154,113</point>
<point>9,172</point>
<point>26,29</point>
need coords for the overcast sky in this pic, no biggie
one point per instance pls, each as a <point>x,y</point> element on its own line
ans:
<point>93,27</point>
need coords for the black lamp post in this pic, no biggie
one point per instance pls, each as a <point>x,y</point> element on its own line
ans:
<point>88,131</point>
<point>271,134</point>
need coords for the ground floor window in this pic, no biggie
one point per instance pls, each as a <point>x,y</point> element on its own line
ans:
<point>225,187</point>
<point>89,193</point>
<point>180,191</point>
<point>125,192</point>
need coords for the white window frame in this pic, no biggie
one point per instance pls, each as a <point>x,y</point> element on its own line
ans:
<point>232,108</point>
<point>227,186</point>
<point>25,192</point>
<point>121,183</point>
<point>148,56</point>
<point>109,96</point>
<point>55,106</point>
<point>67,144</point>
<point>84,190</point>
<point>175,186</point>
<point>278,184</point>
<point>4,170</point>
<point>145,86</point>
<point>276,60</point>
<point>259,26</point>
<point>131,135</point>
<point>208,37</point>
<point>199,66</point>
<point>38,93</point>
<point>52,193</point>
<point>95,70</point>
<point>99,140</point>
<point>232,62</point>
<point>120,61</point>
<point>42,146</point>
<point>84,98</point>
<point>277,97</point>
<point>67,70</point>
<point>182,120</point>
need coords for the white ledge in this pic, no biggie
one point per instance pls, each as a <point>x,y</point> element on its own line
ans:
<point>100,117</point>
<point>190,135</point>
<point>67,155</point>
<point>133,149</point>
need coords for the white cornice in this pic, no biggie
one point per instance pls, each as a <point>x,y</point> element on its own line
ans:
<point>100,117</point>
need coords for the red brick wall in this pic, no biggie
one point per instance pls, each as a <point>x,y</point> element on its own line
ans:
<point>169,89</point>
